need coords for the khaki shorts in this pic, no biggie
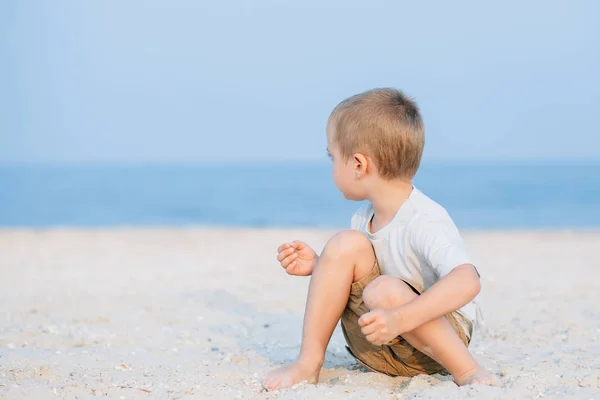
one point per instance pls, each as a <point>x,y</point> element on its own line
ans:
<point>397,358</point>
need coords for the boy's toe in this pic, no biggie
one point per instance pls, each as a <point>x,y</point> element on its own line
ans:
<point>270,382</point>
<point>481,378</point>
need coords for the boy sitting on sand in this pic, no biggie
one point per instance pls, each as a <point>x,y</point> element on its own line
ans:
<point>401,280</point>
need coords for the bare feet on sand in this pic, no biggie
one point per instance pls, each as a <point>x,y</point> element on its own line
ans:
<point>482,378</point>
<point>292,374</point>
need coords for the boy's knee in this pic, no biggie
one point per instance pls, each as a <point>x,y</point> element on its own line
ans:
<point>387,292</point>
<point>348,243</point>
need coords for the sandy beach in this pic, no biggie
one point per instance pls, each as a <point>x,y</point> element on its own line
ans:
<point>204,313</point>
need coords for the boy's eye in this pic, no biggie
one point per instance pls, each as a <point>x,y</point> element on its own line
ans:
<point>329,155</point>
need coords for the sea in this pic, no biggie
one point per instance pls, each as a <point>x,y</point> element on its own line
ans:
<point>477,195</point>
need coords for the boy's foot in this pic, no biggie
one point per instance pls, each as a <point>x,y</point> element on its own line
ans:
<point>482,378</point>
<point>292,374</point>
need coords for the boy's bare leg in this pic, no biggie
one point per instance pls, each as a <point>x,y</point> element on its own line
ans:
<point>436,338</point>
<point>347,257</point>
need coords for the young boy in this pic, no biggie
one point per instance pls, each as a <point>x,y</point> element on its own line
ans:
<point>400,280</point>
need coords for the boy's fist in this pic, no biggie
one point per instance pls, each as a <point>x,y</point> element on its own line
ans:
<point>382,326</point>
<point>297,258</point>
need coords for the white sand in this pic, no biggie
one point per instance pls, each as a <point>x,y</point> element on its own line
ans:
<point>204,313</point>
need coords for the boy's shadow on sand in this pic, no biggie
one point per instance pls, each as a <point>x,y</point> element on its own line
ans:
<point>274,336</point>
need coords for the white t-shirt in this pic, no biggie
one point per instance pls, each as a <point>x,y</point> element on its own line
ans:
<point>421,244</point>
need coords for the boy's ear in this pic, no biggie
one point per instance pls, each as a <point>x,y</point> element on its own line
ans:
<point>360,164</point>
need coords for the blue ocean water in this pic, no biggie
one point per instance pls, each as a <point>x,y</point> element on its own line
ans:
<point>476,196</point>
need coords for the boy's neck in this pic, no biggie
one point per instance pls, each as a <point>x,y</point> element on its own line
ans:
<point>387,200</point>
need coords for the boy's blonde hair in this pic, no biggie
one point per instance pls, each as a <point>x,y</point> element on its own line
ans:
<point>384,125</point>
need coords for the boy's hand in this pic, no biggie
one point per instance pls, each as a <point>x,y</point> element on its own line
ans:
<point>382,326</point>
<point>297,258</point>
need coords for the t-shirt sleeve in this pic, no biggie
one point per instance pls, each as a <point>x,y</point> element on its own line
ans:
<point>440,244</point>
<point>353,222</point>
<point>357,219</point>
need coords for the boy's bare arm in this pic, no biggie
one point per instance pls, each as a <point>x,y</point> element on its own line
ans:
<point>449,294</point>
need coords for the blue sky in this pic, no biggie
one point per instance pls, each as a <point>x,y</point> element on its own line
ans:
<point>195,82</point>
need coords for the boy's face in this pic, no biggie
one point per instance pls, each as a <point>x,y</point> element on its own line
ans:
<point>344,172</point>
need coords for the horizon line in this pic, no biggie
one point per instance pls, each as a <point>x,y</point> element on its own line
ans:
<point>299,162</point>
